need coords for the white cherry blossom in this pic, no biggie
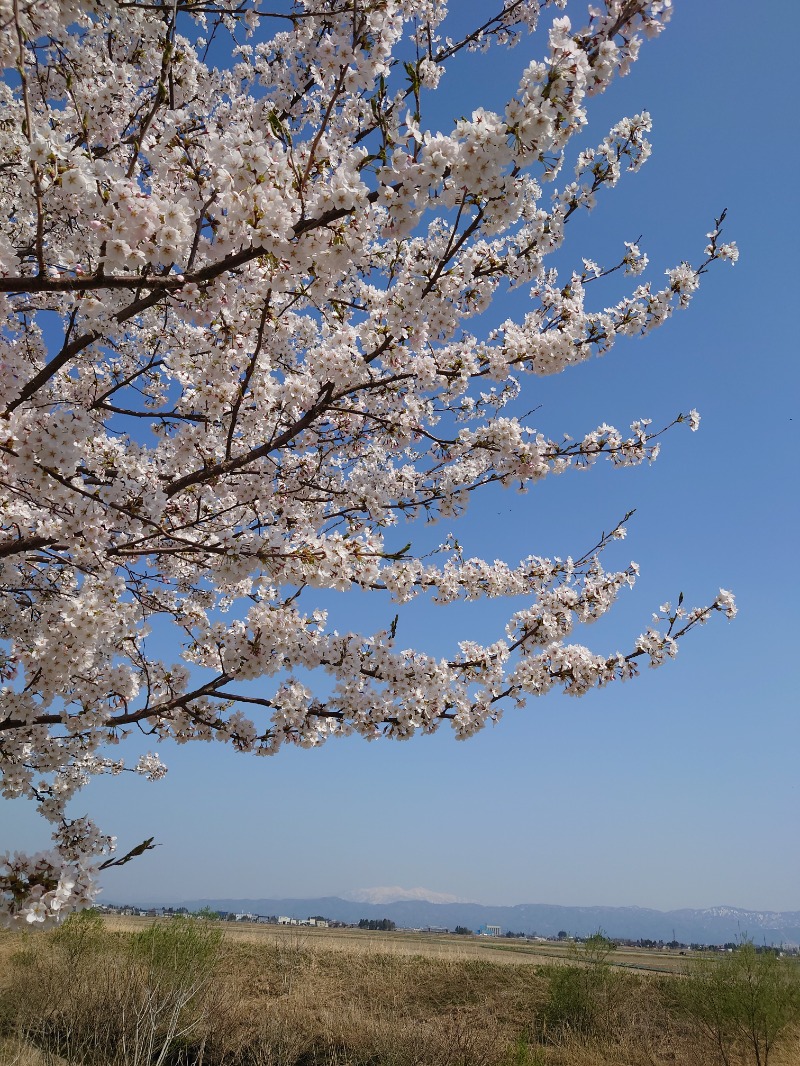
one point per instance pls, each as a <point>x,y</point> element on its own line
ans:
<point>270,277</point>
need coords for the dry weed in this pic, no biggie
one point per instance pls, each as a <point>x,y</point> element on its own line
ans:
<point>97,998</point>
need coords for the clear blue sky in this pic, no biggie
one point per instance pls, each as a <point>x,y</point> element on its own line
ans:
<point>681,788</point>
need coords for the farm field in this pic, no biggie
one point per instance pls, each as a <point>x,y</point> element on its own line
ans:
<point>502,951</point>
<point>142,992</point>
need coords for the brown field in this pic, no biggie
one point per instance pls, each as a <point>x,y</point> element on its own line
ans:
<point>138,992</point>
<point>503,951</point>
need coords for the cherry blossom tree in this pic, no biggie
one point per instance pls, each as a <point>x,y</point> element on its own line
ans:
<point>237,363</point>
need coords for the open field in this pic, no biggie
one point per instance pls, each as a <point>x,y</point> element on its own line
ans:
<point>431,945</point>
<point>138,992</point>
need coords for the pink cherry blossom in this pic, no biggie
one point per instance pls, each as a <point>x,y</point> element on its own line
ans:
<point>269,278</point>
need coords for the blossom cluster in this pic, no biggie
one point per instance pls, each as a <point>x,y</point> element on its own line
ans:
<point>275,287</point>
<point>39,889</point>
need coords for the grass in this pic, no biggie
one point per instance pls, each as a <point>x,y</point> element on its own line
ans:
<point>437,945</point>
<point>203,994</point>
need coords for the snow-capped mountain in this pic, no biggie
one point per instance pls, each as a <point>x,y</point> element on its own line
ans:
<point>712,925</point>
<point>396,894</point>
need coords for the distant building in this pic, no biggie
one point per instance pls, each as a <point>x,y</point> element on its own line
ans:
<point>490,930</point>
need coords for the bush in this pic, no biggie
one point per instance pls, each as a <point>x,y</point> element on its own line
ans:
<point>745,1001</point>
<point>91,997</point>
<point>179,953</point>
<point>582,1001</point>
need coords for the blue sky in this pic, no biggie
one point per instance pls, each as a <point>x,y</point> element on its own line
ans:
<point>680,788</point>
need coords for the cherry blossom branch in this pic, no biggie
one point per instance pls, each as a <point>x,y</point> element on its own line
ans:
<point>265,277</point>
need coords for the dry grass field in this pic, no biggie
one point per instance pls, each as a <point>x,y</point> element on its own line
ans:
<point>132,992</point>
<point>405,942</point>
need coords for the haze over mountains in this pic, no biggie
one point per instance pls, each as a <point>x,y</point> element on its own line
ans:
<point>712,925</point>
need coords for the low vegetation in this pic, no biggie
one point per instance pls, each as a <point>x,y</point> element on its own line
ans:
<point>177,993</point>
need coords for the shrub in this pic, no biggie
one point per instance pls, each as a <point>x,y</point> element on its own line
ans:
<point>91,997</point>
<point>745,1001</point>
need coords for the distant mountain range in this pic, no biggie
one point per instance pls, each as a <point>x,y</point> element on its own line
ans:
<point>714,925</point>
